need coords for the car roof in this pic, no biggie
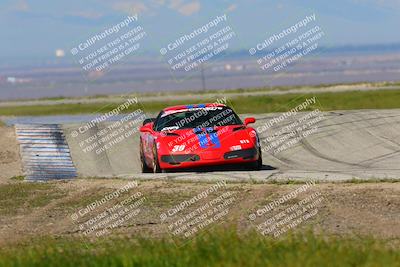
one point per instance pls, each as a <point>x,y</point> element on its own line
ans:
<point>192,106</point>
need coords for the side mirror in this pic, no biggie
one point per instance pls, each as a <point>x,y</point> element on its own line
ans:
<point>249,120</point>
<point>148,128</point>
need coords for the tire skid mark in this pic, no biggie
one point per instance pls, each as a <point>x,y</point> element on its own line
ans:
<point>309,148</point>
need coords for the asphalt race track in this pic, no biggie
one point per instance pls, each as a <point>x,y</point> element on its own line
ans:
<point>328,146</point>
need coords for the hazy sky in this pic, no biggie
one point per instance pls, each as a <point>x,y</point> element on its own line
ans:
<point>39,27</point>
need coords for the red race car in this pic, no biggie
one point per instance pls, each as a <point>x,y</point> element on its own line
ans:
<point>190,136</point>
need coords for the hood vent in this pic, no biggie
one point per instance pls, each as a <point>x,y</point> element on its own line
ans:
<point>205,130</point>
<point>238,128</point>
<point>171,134</point>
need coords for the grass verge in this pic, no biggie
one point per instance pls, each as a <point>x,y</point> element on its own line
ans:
<point>22,197</point>
<point>218,248</point>
<point>379,99</point>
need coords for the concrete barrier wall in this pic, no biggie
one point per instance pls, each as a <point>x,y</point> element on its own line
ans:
<point>102,159</point>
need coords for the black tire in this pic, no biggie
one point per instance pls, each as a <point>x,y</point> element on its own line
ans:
<point>143,165</point>
<point>257,165</point>
<point>156,165</point>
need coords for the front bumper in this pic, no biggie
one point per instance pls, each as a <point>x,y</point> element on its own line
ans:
<point>204,159</point>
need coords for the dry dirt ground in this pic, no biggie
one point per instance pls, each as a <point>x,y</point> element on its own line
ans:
<point>31,210</point>
<point>10,163</point>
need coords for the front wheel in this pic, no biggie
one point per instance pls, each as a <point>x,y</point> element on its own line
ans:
<point>156,165</point>
<point>143,165</point>
<point>257,165</point>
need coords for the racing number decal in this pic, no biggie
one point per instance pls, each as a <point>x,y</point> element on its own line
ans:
<point>178,148</point>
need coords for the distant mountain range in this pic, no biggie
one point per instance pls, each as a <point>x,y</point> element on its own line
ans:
<point>345,49</point>
<point>229,55</point>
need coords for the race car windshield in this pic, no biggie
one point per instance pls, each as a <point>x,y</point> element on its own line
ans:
<point>197,118</point>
